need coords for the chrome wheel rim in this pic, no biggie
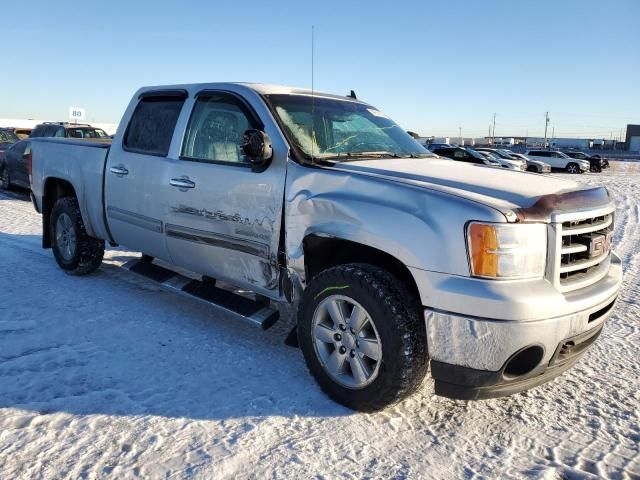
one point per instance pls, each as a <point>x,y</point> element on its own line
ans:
<point>65,237</point>
<point>572,169</point>
<point>346,341</point>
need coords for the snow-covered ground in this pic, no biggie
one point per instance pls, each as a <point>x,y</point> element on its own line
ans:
<point>112,376</point>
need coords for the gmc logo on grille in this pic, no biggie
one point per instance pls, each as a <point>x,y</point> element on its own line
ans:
<point>600,245</point>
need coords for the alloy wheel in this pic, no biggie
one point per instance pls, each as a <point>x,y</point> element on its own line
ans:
<point>65,237</point>
<point>346,341</point>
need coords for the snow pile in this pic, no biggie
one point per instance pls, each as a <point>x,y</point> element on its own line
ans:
<point>112,376</point>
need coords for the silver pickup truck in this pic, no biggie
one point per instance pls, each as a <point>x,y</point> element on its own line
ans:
<point>395,259</point>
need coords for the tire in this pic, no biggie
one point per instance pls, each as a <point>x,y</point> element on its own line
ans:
<point>5,181</point>
<point>573,168</point>
<point>75,252</point>
<point>395,320</point>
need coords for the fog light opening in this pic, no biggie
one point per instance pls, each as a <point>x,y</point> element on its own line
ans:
<point>523,362</point>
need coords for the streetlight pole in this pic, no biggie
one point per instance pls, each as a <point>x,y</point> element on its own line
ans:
<point>546,125</point>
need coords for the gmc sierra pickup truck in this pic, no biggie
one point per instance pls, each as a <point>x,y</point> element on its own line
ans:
<point>396,260</point>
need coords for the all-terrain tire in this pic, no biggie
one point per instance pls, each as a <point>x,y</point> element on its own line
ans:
<point>87,255</point>
<point>397,316</point>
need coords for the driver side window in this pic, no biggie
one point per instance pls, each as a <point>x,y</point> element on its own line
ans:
<point>215,130</point>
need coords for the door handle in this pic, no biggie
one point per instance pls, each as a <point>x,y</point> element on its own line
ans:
<point>120,170</point>
<point>182,183</point>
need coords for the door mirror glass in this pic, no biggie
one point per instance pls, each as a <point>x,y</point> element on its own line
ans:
<point>256,145</point>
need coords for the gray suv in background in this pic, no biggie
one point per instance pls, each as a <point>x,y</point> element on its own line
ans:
<point>69,130</point>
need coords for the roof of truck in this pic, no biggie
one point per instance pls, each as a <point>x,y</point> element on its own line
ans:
<point>260,88</point>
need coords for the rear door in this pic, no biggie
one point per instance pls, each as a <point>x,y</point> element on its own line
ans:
<point>138,169</point>
<point>223,217</point>
<point>16,162</point>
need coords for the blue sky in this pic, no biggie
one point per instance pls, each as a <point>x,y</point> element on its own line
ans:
<point>432,66</point>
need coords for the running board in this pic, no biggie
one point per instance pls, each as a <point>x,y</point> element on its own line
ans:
<point>252,311</point>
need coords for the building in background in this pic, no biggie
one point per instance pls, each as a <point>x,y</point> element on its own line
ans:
<point>632,140</point>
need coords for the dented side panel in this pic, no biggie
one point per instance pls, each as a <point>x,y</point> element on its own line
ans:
<point>228,226</point>
<point>422,228</point>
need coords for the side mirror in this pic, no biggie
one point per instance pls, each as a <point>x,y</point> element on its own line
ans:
<point>256,145</point>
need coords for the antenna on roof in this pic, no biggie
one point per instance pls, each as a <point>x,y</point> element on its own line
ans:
<point>352,94</point>
<point>313,122</point>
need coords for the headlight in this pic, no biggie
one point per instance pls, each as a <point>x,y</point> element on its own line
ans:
<point>507,251</point>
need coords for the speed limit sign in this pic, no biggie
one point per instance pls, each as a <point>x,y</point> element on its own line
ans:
<point>76,113</point>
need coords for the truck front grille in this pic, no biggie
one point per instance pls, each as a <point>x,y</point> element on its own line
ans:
<point>585,251</point>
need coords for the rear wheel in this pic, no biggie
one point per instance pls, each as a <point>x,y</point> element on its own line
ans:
<point>573,168</point>
<point>75,252</point>
<point>363,336</point>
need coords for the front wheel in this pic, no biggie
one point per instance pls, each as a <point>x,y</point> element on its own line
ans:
<point>573,168</point>
<point>363,336</point>
<point>75,252</point>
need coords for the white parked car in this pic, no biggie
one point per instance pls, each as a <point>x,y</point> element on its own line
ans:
<point>560,160</point>
<point>505,159</point>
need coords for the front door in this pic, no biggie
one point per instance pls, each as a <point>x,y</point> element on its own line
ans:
<point>223,217</point>
<point>137,173</point>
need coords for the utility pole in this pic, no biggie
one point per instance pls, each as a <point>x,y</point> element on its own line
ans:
<point>546,125</point>
<point>460,136</point>
<point>493,135</point>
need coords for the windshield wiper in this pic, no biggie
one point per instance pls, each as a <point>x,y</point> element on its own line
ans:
<point>353,156</point>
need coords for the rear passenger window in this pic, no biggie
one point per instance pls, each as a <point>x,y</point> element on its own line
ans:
<point>152,123</point>
<point>215,130</point>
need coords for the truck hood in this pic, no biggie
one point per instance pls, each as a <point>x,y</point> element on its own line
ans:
<point>518,195</point>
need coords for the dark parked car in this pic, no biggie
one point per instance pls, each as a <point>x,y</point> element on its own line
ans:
<point>433,146</point>
<point>14,170</point>
<point>597,164</point>
<point>463,155</point>
<point>7,138</point>
<point>69,130</point>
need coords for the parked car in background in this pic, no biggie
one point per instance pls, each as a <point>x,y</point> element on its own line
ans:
<point>596,164</point>
<point>14,166</point>
<point>605,160</point>
<point>560,160</point>
<point>505,159</point>
<point>7,138</point>
<point>462,154</point>
<point>22,133</point>
<point>432,146</point>
<point>536,166</point>
<point>82,131</point>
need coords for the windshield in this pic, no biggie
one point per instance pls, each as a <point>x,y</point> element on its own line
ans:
<point>499,154</point>
<point>475,154</point>
<point>332,129</point>
<point>7,136</point>
<point>86,133</point>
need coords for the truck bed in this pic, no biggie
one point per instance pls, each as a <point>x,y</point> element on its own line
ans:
<point>80,163</point>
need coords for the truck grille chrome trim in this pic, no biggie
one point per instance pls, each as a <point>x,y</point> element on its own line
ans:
<point>583,250</point>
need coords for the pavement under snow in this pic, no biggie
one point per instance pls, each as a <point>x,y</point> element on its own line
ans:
<point>112,376</point>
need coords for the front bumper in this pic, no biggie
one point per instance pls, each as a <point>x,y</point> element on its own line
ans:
<point>475,328</point>
<point>464,383</point>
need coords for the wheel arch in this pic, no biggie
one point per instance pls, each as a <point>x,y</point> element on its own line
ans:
<point>54,189</point>
<point>322,252</point>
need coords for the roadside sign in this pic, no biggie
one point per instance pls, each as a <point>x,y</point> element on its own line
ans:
<point>76,113</point>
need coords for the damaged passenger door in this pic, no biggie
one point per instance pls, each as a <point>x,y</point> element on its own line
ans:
<point>223,214</point>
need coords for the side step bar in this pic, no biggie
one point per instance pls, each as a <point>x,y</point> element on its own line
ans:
<point>252,311</point>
